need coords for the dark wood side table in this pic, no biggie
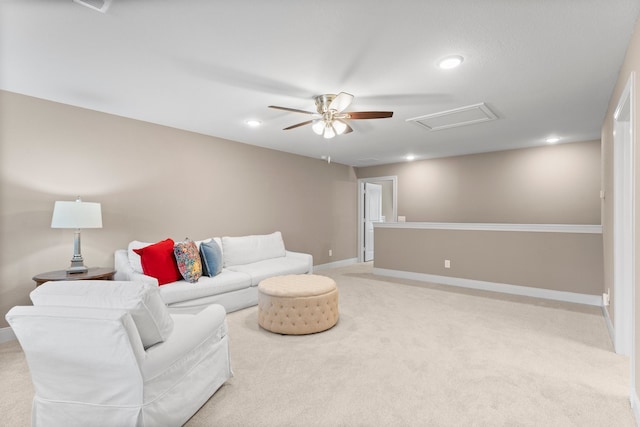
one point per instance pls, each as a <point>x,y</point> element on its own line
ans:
<point>95,273</point>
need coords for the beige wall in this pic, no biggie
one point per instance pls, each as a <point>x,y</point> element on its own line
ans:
<point>631,64</point>
<point>557,184</point>
<point>153,182</point>
<point>569,262</point>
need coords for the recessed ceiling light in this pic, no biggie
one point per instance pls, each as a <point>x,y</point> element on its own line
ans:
<point>552,140</point>
<point>253,123</point>
<point>450,62</point>
<point>410,157</point>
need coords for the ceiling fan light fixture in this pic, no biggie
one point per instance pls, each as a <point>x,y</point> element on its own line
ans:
<point>339,126</point>
<point>329,131</point>
<point>318,127</point>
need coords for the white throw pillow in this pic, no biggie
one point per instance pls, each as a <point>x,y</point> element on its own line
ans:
<point>249,249</point>
<point>141,300</point>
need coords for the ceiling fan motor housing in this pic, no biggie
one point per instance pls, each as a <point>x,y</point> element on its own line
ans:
<point>323,102</point>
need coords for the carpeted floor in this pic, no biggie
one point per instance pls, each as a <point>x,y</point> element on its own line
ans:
<point>405,353</point>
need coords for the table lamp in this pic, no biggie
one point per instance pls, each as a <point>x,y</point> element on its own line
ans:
<point>76,215</point>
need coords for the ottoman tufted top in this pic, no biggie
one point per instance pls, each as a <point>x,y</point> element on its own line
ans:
<point>296,285</point>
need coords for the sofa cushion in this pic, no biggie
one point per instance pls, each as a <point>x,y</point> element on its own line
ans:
<point>159,261</point>
<point>141,300</point>
<point>250,249</point>
<point>226,281</point>
<point>188,260</point>
<point>134,258</point>
<point>272,267</point>
<point>211,255</point>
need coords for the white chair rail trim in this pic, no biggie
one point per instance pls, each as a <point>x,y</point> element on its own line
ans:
<point>538,228</point>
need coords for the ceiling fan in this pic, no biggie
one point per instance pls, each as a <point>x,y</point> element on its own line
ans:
<point>330,120</point>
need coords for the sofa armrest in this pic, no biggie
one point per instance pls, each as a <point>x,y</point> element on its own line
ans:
<point>125,272</point>
<point>307,257</point>
<point>190,334</point>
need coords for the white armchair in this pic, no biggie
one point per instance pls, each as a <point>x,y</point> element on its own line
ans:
<point>109,353</point>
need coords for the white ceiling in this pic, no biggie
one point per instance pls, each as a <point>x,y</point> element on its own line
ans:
<point>544,67</point>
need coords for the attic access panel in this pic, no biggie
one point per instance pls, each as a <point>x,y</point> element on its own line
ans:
<point>457,117</point>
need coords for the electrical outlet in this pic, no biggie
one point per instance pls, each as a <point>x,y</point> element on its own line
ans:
<point>447,263</point>
<point>330,252</point>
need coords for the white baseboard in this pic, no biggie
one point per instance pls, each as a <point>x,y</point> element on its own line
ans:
<point>635,405</point>
<point>495,287</point>
<point>336,264</point>
<point>6,334</point>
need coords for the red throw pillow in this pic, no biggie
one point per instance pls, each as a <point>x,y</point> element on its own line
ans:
<point>158,261</point>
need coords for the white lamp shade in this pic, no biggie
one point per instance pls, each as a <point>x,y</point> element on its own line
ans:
<point>76,215</point>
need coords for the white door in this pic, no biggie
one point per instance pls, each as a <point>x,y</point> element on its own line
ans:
<point>372,213</point>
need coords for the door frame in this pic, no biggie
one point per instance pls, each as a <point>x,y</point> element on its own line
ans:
<point>360,222</point>
<point>624,227</point>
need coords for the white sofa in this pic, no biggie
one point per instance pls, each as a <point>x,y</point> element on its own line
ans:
<point>246,261</point>
<point>110,354</point>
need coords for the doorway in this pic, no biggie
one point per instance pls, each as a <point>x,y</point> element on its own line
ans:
<point>379,206</point>
<point>623,220</point>
<point>372,214</point>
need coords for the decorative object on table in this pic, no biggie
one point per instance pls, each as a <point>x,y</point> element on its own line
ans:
<point>76,215</point>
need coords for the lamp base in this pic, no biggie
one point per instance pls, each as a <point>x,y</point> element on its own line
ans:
<point>77,267</point>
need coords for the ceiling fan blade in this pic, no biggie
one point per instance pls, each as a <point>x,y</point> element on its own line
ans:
<point>347,130</point>
<point>295,110</point>
<point>340,102</point>
<point>298,125</point>
<point>359,115</point>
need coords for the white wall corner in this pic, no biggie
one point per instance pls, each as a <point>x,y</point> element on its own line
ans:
<point>6,334</point>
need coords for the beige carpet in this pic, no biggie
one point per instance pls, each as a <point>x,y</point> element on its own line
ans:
<point>406,353</point>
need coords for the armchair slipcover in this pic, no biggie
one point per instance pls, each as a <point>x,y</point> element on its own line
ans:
<point>104,353</point>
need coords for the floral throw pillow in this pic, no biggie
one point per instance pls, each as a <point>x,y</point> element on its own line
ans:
<point>188,260</point>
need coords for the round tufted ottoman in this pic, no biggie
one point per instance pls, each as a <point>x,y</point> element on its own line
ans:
<point>297,304</point>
